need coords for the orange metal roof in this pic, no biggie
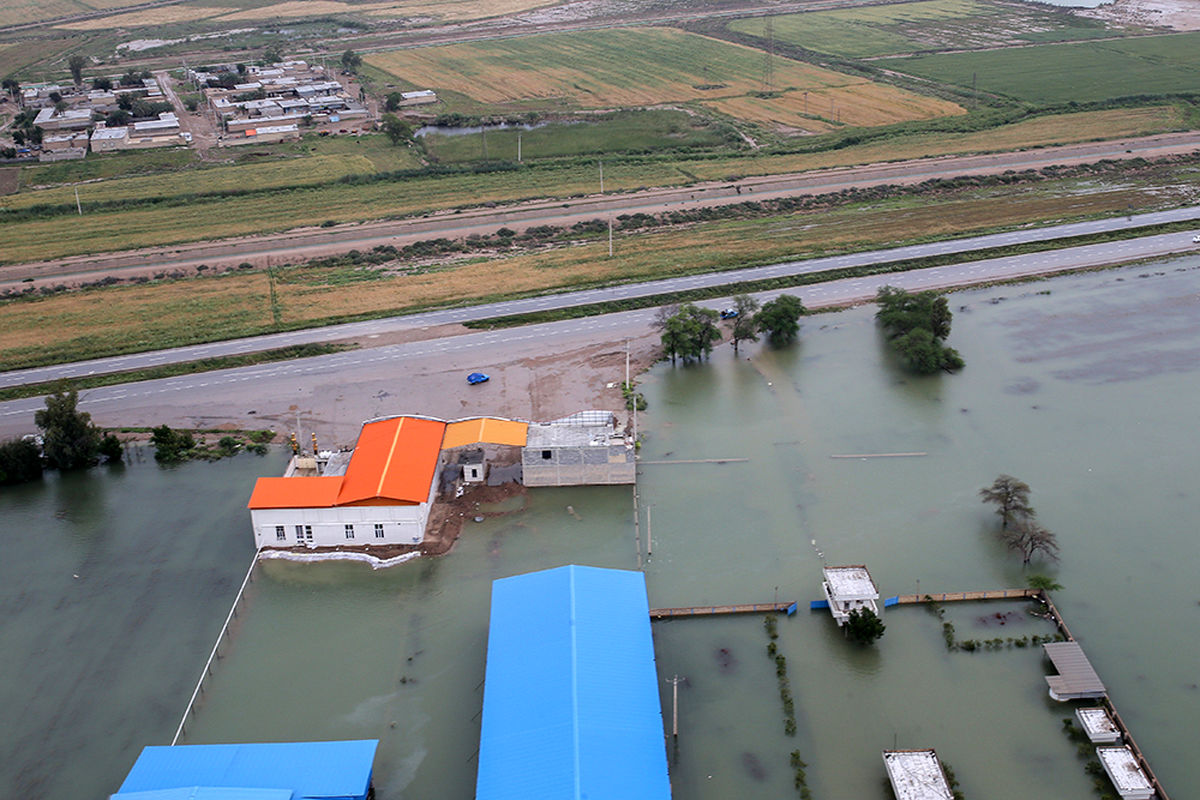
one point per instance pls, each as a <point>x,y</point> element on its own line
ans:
<point>394,459</point>
<point>485,429</point>
<point>299,492</point>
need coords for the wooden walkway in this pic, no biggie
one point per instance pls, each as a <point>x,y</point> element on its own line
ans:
<point>707,611</point>
<point>950,597</point>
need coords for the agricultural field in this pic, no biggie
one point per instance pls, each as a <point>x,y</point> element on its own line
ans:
<point>15,12</point>
<point>208,218</point>
<point>923,25</point>
<point>138,317</point>
<point>633,67</point>
<point>279,173</point>
<point>622,132</point>
<point>1077,72</point>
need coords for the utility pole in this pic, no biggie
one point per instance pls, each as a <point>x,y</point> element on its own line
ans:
<point>610,250</point>
<point>675,708</point>
<point>601,177</point>
<point>649,534</point>
<point>518,147</point>
<point>79,207</point>
<point>769,65</point>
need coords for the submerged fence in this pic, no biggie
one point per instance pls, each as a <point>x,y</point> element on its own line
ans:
<point>204,673</point>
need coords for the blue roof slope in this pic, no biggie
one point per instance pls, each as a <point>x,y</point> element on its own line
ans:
<point>206,793</point>
<point>326,770</point>
<point>570,703</point>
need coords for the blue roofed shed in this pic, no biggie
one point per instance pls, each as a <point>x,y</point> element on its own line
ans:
<point>268,771</point>
<point>570,703</point>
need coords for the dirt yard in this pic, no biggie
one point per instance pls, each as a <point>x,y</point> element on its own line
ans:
<point>1180,15</point>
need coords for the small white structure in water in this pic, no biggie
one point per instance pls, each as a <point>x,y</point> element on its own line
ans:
<point>1098,725</point>
<point>847,589</point>
<point>1124,772</point>
<point>916,775</point>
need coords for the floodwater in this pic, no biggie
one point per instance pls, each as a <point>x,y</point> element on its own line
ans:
<point>1083,386</point>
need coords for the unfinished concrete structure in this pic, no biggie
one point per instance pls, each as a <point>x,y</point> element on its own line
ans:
<point>584,449</point>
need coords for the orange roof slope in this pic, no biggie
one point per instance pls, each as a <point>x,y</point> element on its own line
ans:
<point>297,492</point>
<point>485,429</point>
<point>395,459</point>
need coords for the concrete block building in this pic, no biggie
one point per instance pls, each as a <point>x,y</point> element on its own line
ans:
<point>583,449</point>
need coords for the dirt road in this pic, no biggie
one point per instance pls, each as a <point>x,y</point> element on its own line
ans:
<point>306,243</point>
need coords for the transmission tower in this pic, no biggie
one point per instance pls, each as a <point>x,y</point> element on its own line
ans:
<point>769,58</point>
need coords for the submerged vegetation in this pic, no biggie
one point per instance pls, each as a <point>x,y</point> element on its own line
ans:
<point>917,325</point>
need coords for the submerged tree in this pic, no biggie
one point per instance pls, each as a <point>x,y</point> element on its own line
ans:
<point>1028,538</point>
<point>917,325</point>
<point>743,325</point>
<point>779,319</point>
<point>1011,498</point>
<point>864,626</point>
<point>69,439</point>
<point>689,333</point>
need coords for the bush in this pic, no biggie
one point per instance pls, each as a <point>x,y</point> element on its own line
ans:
<point>171,447</point>
<point>20,461</point>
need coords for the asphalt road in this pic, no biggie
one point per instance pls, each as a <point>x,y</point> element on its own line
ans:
<point>1073,258</point>
<point>247,395</point>
<point>315,242</point>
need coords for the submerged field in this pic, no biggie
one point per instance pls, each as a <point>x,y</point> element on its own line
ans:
<point>1076,72</point>
<point>637,67</point>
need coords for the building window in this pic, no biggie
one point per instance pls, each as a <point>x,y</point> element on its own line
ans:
<point>546,455</point>
<point>299,533</point>
<point>349,531</point>
<point>378,530</point>
<point>308,532</point>
<point>280,533</point>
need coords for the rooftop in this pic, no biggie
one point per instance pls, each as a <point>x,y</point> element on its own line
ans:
<point>916,775</point>
<point>1123,769</point>
<point>850,582</point>
<point>302,769</point>
<point>570,704</point>
<point>1097,724</point>
<point>1076,676</point>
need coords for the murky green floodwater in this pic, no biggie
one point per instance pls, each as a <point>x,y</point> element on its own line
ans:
<point>1083,386</point>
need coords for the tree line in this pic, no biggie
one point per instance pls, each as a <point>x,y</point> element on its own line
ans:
<point>689,331</point>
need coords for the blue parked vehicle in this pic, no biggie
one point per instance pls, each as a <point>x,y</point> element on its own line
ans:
<point>478,377</point>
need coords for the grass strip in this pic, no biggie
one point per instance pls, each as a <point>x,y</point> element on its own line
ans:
<point>172,370</point>
<point>807,279</point>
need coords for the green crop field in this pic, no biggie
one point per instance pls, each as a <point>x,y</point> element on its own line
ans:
<point>623,132</point>
<point>290,172</point>
<point>923,25</point>
<point>1080,72</point>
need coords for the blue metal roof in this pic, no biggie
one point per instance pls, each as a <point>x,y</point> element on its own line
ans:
<point>207,793</point>
<point>307,770</point>
<point>570,703</point>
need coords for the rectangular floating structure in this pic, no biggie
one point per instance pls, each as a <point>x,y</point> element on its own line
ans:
<point>1123,770</point>
<point>1075,679</point>
<point>916,775</point>
<point>1098,725</point>
<point>849,588</point>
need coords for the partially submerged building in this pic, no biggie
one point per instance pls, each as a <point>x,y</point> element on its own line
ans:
<point>849,588</point>
<point>916,775</point>
<point>570,701</point>
<point>1098,725</point>
<point>268,771</point>
<point>382,493</point>
<point>582,449</point>
<point>1077,680</point>
<point>1127,777</point>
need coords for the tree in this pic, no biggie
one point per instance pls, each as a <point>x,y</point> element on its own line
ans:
<point>1011,498</point>
<point>392,101</point>
<point>170,446</point>
<point>118,117</point>
<point>779,319</point>
<point>396,129</point>
<point>102,84</point>
<point>1028,538</point>
<point>76,64</point>
<point>70,440</point>
<point>743,327</point>
<point>12,86</point>
<point>271,55</point>
<point>864,626</point>
<point>917,324</point>
<point>351,61</point>
<point>1043,582</point>
<point>689,333</point>
<point>111,449</point>
<point>20,461</point>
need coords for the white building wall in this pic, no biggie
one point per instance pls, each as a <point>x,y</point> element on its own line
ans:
<point>401,525</point>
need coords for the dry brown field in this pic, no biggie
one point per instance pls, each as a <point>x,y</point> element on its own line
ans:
<point>639,67</point>
<point>459,10</point>
<point>163,15</point>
